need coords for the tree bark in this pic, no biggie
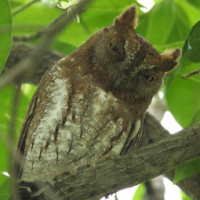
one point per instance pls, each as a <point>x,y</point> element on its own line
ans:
<point>147,162</point>
<point>139,166</point>
<point>22,50</point>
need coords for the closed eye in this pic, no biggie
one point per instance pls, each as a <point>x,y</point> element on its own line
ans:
<point>147,77</point>
<point>114,48</point>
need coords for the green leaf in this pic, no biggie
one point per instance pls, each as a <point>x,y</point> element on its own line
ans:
<point>190,10</point>
<point>191,47</point>
<point>187,170</point>
<point>63,47</point>
<point>181,26</point>
<point>183,96</point>
<point>139,194</point>
<point>166,22</point>
<point>5,31</point>
<point>184,196</point>
<point>6,102</point>
<point>34,18</point>
<point>194,2</point>
<point>196,116</point>
<point>95,18</point>
<point>5,190</point>
<point>160,14</point>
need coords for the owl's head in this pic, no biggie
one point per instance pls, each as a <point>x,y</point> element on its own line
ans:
<point>130,61</point>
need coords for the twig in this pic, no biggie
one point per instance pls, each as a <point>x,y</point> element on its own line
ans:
<point>39,33</point>
<point>23,7</point>
<point>29,37</point>
<point>35,58</point>
<point>191,74</point>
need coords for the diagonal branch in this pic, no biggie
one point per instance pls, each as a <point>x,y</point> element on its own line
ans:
<point>34,59</point>
<point>22,50</point>
<point>143,164</point>
<point>128,170</point>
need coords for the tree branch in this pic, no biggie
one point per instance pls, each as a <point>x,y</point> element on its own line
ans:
<point>33,61</point>
<point>153,132</point>
<point>22,50</point>
<point>128,170</point>
<point>141,165</point>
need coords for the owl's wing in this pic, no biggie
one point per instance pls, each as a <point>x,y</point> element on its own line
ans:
<point>133,138</point>
<point>23,136</point>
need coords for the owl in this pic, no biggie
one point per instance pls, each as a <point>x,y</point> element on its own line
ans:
<point>90,105</point>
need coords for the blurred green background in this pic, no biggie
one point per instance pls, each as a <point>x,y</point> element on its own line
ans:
<point>169,23</point>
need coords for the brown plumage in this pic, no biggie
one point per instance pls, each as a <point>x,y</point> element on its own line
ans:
<point>91,103</point>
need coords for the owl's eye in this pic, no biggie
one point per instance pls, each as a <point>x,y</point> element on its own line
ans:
<point>147,77</point>
<point>114,48</point>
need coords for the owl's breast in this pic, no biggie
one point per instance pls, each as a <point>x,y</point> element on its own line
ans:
<point>77,124</point>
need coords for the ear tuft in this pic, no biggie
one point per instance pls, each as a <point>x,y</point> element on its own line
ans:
<point>128,19</point>
<point>171,59</point>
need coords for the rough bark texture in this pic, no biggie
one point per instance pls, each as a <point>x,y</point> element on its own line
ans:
<point>147,162</point>
<point>159,153</point>
<point>143,164</point>
<point>21,50</point>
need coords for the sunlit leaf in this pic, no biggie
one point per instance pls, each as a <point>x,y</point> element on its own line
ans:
<point>34,19</point>
<point>139,194</point>
<point>165,23</point>
<point>185,197</point>
<point>191,9</point>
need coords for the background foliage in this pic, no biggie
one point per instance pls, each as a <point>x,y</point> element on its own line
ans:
<point>170,23</point>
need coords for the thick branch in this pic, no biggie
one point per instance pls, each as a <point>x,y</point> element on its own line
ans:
<point>139,166</point>
<point>20,51</point>
<point>143,164</point>
<point>33,61</point>
<point>153,132</point>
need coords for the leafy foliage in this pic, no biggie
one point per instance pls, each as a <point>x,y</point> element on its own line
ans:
<point>169,23</point>
<point>5,191</point>
<point>192,45</point>
<point>185,92</point>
